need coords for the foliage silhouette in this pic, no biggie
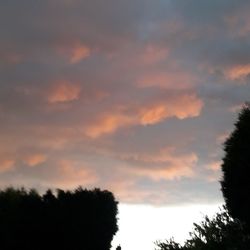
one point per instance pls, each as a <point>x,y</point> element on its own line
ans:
<point>219,233</point>
<point>235,184</point>
<point>79,219</point>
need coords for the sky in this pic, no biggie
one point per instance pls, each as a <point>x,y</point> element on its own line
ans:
<point>133,96</point>
<point>140,226</point>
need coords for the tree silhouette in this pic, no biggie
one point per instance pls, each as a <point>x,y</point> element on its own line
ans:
<point>235,184</point>
<point>218,233</point>
<point>82,219</point>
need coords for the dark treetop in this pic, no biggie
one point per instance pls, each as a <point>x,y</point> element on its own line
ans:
<point>236,169</point>
<point>81,219</point>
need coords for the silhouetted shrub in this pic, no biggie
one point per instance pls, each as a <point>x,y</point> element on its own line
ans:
<point>78,220</point>
<point>236,169</point>
<point>219,233</point>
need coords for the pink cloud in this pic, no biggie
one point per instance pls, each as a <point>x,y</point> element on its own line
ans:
<point>237,72</point>
<point>182,107</point>
<point>214,166</point>
<point>72,173</point>
<point>166,164</point>
<point>154,114</point>
<point>107,124</point>
<point>125,188</point>
<point>35,159</point>
<point>6,165</point>
<point>75,52</point>
<point>215,171</point>
<point>165,173</point>
<point>222,137</point>
<point>64,92</point>
<point>79,53</point>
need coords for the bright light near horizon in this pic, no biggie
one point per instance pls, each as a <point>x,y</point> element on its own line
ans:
<point>141,225</point>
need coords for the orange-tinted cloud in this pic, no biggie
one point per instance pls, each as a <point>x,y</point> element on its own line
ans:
<point>35,159</point>
<point>107,124</point>
<point>165,173</point>
<point>73,173</point>
<point>6,165</point>
<point>181,107</point>
<point>238,72</point>
<point>130,193</point>
<point>222,137</point>
<point>75,52</point>
<point>64,92</point>
<point>154,115</point>
<point>215,166</point>
<point>78,53</point>
<point>215,171</point>
<point>167,164</point>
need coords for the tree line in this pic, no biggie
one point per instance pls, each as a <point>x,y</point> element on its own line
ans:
<point>70,220</point>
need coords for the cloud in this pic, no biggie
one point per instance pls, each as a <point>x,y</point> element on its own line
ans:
<point>214,174</point>
<point>75,52</point>
<point>35,159</point>
<point>6,165</point>
<point>64,92</point>
<point>79,53</point>
<point>168,173</point>
<point>166,164</point>
<point>154,115</point>
<point>215,166</point>
<point>107,124</point>
<point>182,107</point>
<point>222,138</point>
<point>238,72</point>
<point>72,173</point>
